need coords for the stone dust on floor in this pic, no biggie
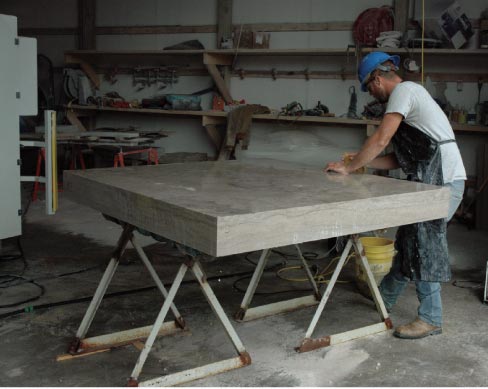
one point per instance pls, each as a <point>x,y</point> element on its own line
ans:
<point>67,253</point>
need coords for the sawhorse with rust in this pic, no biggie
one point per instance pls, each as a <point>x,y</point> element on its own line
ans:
<point>86,346</point>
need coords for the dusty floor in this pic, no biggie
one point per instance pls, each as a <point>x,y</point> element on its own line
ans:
<point>66,254</point>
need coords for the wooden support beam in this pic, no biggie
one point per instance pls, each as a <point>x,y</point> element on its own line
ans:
<point>224,32</point>
<point>219,81</point>
<point>86,67</point>
<point>224,21</point>
<point>138,30</point>
<point>208,29</point>
<point>73,119</point>
<point>91,73</point>
<point>214,136</point>
<point>86,24</point>
<point>213,120</point>
<point>217,59</point>
<point>401,15</point>
<point>284,27</point>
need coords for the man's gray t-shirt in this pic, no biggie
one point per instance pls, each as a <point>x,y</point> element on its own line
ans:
<point>420,110</point>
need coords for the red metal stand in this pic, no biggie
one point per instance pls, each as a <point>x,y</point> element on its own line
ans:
<point>152,156</point>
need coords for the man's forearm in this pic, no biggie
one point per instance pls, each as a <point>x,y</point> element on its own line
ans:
<point>385,162</point>
<point>367,154</point>
<point>377,142</point>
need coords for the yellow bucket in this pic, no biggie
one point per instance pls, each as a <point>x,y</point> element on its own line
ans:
<point>380,253</point>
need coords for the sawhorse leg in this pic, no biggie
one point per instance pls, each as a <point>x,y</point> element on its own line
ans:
<point>308,343</point>
<point>245,313</point>
<point>241,360</point>
<point>84,346</point>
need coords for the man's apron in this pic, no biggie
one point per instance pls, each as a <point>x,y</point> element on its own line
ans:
<point>422,247</point>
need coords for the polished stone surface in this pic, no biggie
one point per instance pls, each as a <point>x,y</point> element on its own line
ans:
<point>229,207</point>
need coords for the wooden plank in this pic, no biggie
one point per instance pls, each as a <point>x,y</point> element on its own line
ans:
<point>286,27</point>
<point>135,58</point>
<point>316,119</point>
<point>91,73</point>
<point>208,29</point>
<point>401,15</point>
<point>65,357</point>
<point>224,21</point>
<point>220,82</point>
<point>221,114</point>
<point>428,51</point>
<point>469,128</point>
<point>217,58</point>
<point>283,52</point>
<point>293,74</point>
<point>213,120</point>
<point>40,31</point>
<point>449,77</point>
<point>153,30</point>
<point>73,119</point>
<point>79,109</point>
<point>214,135</point>
<point>86,24</point>
<point>225,57</point>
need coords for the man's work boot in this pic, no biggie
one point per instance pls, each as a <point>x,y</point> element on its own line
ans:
<point>416,330</point>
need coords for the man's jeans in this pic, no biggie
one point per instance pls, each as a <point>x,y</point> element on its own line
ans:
<point>428,293</point>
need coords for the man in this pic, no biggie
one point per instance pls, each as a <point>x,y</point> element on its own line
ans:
<point>425,148</point>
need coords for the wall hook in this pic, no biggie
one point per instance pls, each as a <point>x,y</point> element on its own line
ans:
<point>273,74</point>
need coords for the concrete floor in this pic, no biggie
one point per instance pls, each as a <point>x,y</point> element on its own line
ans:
<point>78,238</point>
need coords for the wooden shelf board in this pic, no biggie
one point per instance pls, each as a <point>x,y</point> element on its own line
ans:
<point>427,51</point>
<point>282,52</point>
<point>469,128</point>
<point>95,55</point>
<point>133,57</point>
<point>264,117</point>
<point>153,111</point>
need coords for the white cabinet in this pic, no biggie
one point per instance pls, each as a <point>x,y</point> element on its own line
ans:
<point>18,96</point>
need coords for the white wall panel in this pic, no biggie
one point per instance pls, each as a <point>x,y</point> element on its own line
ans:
<point>9,130</point>
<point>156,12</point>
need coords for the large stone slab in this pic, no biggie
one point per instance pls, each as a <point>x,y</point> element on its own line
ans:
<point>229,207</point>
